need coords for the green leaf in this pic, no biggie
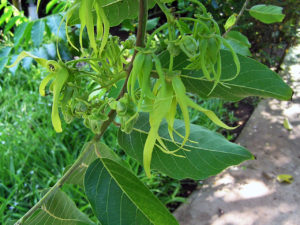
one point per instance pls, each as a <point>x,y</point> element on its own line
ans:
<point>4,52</point>
<point>58,209</point>
<point>51,50</point>
<point>267,13</point>
<point>239,43</point>
<point>287,125</point>
<point>53,23</point>
<point>22,32</point>
<point>285,178</point>
<point>27,35</point>
<point>255,79</point>
<point>238,37</point>
<point>206,153</point>
<point>230,21</point>
<point>116,11</point>
<point>37,32</point>
<point>118,197</point>
<point>96,150</point>
<point>152,23</point>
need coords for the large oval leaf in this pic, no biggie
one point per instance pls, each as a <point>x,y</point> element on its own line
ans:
<point>22,34</point>
<point>58,209</point>
<point>116,11</point>
<point>267,13</point>
<point>208,154</point>
<point>37,32</point>
<point>255,79</point>
<point>119,197</point>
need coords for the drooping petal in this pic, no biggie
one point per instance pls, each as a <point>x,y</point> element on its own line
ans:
<point>180,91</point>
<point>210,114</point>
<point>61,77</point>
<point>44,83</point>
<point>24,54</point>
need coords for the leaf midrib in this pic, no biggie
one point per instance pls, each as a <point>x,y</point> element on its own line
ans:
<point>123,189</point>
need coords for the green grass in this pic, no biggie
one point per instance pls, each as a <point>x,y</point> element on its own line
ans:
<point>33,157</point>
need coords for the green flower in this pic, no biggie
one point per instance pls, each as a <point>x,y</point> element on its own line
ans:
<point>59,73</point>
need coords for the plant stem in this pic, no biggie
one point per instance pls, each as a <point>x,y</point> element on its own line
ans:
<point>143,16</point>
<point>170,21</point>
<point>140,39</point>
<point>165,10</point>
<point>237,18</point>
<point>141,33</point>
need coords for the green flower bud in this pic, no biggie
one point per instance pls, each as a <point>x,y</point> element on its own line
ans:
<point>126,126</point>
<point>129,43</point>
<point>189,46</point>
<point>80,108</point>
<point>121,109</point>
<point>67,113</point>
<point>173,49</point>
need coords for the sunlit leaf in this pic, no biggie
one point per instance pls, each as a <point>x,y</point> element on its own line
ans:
<point>287,125</point>
<point>285,178</point>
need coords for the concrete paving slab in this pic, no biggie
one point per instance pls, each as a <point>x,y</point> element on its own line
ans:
<point>249,194</point>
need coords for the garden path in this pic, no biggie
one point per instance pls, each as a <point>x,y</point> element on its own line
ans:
<point>249,194</point>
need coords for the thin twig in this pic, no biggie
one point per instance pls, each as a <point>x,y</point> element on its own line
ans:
<point>237,18</point>
<point>141,33</point>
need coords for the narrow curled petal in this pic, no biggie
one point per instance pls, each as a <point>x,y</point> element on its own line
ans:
<point>161,108</point>
<point>61,77</point>
<point>55,114</point>
<point>68,16</point>
<point>170,117</point>
<point>235,59</point>
<point>101,15</point>
<point>217,74</point>
<point>44,83</point>
<point>148,149</point>
<point>180,91</point>
<point>86,19</point>
<point>210,114</point>
<point>24,54</point>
